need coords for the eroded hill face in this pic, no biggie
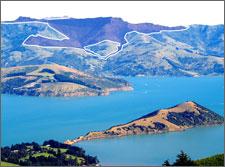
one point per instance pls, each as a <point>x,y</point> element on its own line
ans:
<point>177,118</point>
<point>56,80</point>
<point>84,32</point>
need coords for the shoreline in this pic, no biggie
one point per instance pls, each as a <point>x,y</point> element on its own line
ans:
<point>79,139</point>
<point>180,117</point>
<point>79,94</point>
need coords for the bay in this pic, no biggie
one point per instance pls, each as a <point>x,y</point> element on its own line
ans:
<point>153,150</point>
<point>27,119</point>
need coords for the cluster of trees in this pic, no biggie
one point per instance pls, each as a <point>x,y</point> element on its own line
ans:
<point>72,150</point>
<point>16,74</point>
<point>47,70</point>
<point>182,160</point>
<point>64,78</point>
<point>10,84</point>
<point>24,155</point>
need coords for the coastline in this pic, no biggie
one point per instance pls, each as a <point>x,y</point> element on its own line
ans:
<point>186,115</point>
<point>81,138</point>
<point>77,94</point>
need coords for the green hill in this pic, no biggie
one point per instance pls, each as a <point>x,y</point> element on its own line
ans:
<point>184,160</point>
<point>51,153</point>
<point>216,160</point>
<point>7,164</point>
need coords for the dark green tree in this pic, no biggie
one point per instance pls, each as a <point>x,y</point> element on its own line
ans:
<point>183,160</point>
<point>70,160</point>
<point>166,163</point>
<point>58,152</point>
<point>17,153</point>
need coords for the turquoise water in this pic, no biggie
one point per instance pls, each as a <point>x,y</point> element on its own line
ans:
<point>153,150</point>
<point>26,119</point>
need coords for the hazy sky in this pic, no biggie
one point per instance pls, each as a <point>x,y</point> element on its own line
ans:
<point>164,13</point>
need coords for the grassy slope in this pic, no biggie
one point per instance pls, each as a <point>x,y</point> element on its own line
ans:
<point>55,149</point>
<point>176,118</point>
<point>43,154</point>
<point>55,80</point>
<point>216,160</point>
<point>63,150</point>
<point>8,164</point>
<point>79,159</point>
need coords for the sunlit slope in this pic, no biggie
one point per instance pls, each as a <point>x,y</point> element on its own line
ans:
<point>177,118</point>
<point>13,35</point>
<point>56,80</point>
<point>189,52</point>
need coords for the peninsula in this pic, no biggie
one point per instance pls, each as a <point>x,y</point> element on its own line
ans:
<point>57,80</point>
<point>177,118</point>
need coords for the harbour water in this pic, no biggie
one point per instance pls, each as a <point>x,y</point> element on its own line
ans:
<point>27,119</point>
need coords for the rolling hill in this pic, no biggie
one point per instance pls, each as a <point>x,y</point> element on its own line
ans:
<point>50,153</point>
<point>177,118</point>
<point>56,80</point>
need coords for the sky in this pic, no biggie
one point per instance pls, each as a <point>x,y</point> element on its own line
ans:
<point>169,13</point>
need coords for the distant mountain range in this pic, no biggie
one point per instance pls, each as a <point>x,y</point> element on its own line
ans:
<point>110,46</point>
<point>84,32</point>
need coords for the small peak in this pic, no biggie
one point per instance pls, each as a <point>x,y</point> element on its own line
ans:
<point>190,102</point>
<point>57,18</point>
<point>23,18</point>
<point>117,19</point>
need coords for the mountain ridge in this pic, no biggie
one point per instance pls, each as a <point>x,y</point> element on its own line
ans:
<point>84,32</point>
<point>195,51</point>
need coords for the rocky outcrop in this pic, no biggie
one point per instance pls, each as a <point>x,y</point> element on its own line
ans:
<point>177,118</point>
